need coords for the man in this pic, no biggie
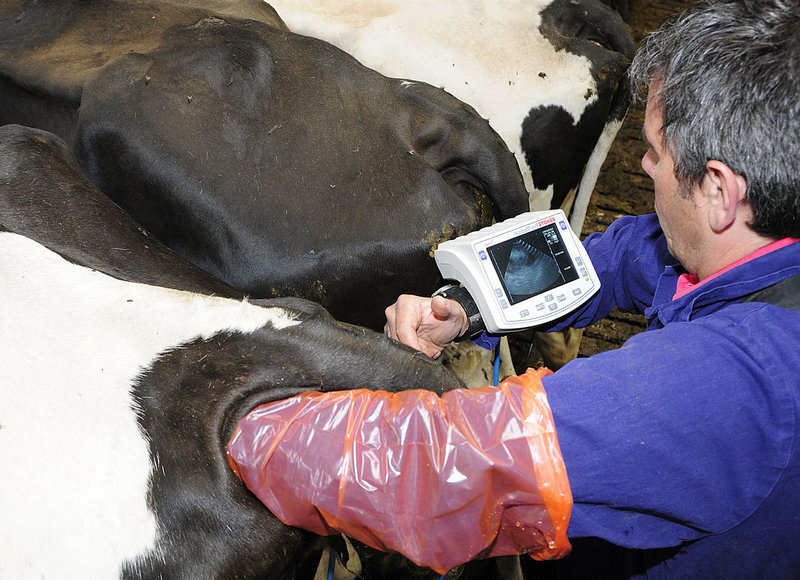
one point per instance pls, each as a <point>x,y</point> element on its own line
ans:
<point>682,448</point>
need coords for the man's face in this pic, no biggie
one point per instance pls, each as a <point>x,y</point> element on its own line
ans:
<point>675,205</point>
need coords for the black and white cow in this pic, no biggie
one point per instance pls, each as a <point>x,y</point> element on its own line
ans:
<point>122,378</point>
<point>275,161</point>
<point>547,74</point>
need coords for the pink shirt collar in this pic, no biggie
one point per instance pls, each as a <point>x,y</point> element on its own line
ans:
<point>688,282</point>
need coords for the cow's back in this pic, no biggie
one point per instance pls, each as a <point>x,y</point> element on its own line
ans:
<point>274,161</point>
<point>547,74</point>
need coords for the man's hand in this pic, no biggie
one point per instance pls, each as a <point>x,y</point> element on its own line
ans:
<point>426,324</point>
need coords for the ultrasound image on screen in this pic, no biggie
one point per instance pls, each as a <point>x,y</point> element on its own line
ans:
<point>532,263</point>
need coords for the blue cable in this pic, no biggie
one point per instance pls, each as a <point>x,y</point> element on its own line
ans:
<point>331,563</point>
<point>496,365</point>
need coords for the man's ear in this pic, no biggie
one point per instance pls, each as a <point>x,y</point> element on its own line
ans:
<point>724,190</point>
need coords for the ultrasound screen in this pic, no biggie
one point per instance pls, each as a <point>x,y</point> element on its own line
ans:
<point>532,263</point>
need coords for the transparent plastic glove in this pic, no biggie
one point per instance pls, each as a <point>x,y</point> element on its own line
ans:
<point>473,474</point>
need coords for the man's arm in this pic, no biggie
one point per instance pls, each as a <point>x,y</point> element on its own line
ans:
<point>472,474</point>
<point>629,257</point>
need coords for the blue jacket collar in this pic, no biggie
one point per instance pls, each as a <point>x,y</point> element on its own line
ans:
<point>732,286</point>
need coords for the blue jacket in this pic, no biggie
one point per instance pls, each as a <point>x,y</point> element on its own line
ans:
<point>682,445</point>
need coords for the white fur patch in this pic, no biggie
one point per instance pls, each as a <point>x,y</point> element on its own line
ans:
<point>74,466</point>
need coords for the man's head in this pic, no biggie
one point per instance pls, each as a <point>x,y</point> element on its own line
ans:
<point>727,74</point>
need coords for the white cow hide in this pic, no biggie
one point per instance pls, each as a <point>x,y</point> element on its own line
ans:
<point>73,342</point>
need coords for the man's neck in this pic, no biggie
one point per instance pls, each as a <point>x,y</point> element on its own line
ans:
<point>688,282</point>
<point>724,249</point>
<point>723,259</point>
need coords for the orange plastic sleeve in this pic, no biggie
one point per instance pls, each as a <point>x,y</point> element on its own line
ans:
<point>443,480</point>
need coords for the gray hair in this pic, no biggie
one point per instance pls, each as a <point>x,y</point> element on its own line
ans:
<point>730,75</point>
